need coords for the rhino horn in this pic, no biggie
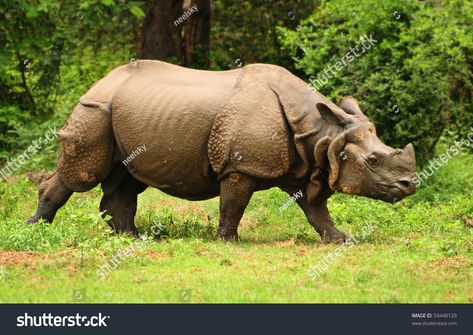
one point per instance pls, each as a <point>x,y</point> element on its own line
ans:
<point>409,150</point>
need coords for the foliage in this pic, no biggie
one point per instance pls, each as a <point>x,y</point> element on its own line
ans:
<point>41,39</point>
<point>244,31</point>
<point>414,82</point>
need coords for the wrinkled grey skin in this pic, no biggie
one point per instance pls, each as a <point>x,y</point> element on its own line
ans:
<point>226,134</point>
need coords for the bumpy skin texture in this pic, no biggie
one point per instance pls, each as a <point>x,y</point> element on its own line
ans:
<point>227,133</point>
<point>87,143</point>
<point>87,137</point>
<point>255,140</point>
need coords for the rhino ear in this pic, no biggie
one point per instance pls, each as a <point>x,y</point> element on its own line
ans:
<point>350,106</point>
<point>331,115</point>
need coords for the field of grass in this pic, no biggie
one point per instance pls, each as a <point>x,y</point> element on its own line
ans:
<point>421,249</point>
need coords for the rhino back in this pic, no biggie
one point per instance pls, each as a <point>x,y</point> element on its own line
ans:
<point>170,111</point>
<point>104,89</point>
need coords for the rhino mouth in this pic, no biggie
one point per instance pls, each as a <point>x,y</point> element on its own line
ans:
<point>394,193</point>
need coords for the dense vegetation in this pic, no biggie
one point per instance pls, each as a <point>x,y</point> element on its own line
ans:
<point>52,52</point>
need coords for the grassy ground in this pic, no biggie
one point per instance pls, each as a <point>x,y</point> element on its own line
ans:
<point>421,249</point>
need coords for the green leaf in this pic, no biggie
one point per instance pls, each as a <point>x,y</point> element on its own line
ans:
<point>137,11</point>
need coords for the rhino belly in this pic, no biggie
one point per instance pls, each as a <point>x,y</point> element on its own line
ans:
<point>163,138</point>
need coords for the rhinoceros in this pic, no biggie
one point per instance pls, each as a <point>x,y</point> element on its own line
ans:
<point>198,134</point>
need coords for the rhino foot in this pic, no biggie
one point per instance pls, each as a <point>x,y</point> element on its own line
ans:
<point>227,235</point>
<point>334,237</point>
<point>33,219</point>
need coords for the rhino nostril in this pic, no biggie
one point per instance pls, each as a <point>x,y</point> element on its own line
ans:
<point>405,183</point>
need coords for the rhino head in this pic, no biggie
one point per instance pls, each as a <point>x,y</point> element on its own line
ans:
<point>360,164</point>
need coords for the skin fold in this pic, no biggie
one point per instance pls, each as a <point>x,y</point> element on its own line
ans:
<point>200,134</point>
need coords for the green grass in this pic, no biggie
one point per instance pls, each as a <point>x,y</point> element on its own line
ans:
<point>421,249</point>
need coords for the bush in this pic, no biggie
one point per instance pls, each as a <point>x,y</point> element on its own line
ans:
<point>415,82</point>
<point>244,31</point>
<point>49,47</point>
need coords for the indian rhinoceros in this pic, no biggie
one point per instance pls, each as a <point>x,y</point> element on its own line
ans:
<point>200,134</point>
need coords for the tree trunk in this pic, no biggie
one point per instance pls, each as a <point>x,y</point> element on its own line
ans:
<point>177,31</point>
<point>197,33</point>
<point>160,38</point>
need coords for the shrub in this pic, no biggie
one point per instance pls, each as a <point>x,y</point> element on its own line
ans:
<point>414,83</point>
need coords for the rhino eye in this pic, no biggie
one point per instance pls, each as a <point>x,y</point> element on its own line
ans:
<point>373,160</point>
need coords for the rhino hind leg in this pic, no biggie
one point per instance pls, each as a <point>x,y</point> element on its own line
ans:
<point>235,193</point>
<point>53,194</point>
<point>120,200</point>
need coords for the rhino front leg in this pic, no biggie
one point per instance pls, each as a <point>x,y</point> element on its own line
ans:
<point>235,193</point>
<point>121,203</point>
<point>319,217</point>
